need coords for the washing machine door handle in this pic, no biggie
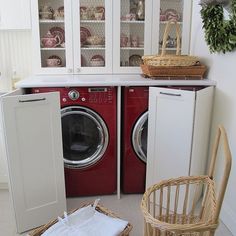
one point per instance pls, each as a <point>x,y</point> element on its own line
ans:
<point>137,137</point>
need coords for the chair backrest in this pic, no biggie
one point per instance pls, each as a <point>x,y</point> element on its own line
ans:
<point>220,135</point>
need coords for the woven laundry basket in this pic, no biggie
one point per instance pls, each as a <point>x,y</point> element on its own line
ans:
<point>170,59</point>
<point>40,230</point>
<point>165,215</point>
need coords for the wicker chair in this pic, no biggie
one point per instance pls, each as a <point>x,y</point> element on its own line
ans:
<point>165,214</point>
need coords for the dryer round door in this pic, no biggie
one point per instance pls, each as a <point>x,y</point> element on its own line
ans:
<point>139,137</point>
<point>85,137</point>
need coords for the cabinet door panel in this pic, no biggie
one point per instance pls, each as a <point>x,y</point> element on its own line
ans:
<point>132,22</point>
<point>92,34</point>
<point>171,114</point>
<point>35,161</point>
<point>52,36</point>
<point>202,125</point>
<point>164,10</point>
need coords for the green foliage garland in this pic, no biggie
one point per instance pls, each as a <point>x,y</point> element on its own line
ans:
<point>220,34</point>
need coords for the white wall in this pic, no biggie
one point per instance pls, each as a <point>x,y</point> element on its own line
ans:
<point>222,69</point>
<point>15,54</point>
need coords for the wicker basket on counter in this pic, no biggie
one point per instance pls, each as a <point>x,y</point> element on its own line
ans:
<point>174,72</point>
<point>169,59</point>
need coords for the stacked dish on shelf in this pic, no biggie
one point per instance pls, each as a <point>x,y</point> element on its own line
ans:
<point>52,35</point>
<point>92,35</point>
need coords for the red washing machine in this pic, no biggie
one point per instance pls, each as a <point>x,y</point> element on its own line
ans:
<point>134,138</point>
<point>89,139</point>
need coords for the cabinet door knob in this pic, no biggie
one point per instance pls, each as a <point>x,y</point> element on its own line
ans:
<point>70,70</point>
<point>78,70</point>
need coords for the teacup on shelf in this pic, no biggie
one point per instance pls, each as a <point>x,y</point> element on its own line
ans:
<point>53,62</point>
<point>57,15</point>
<point>124,40</point>
<point>130,17</point>
<point>98,15</point>
<point>95,40</point>
<point>46,13</point>
<point>134,41</point>
<point>84,14</point>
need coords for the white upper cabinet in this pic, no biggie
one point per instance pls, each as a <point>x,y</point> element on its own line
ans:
<point>132,34</point>
<point>92,35</point>
<point>72,36</point>
<point>15,15</point>
<point>52,36</point>
<point>179,10</point>
<point>103,36</point>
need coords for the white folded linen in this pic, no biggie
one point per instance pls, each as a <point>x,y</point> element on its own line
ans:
<point>87,222</point>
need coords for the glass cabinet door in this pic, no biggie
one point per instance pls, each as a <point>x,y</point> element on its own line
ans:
<point>174,10</point>
<point>52,35</point>
<point>132,34</point>
<point>92,35</point>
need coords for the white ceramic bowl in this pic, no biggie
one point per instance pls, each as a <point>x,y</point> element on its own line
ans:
<point>94,40</point>
<point>97,63</point>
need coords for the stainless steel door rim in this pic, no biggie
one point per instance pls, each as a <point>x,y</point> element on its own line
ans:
<point>103,136</point>
<point>137,137</point>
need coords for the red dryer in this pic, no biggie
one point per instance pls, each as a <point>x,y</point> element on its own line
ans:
<point>88,118</point>
<point>134,138</point>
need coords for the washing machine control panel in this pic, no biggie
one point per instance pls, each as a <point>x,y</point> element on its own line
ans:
<point>100,95</point>
<point>73,95</point>
<point>70,96</point>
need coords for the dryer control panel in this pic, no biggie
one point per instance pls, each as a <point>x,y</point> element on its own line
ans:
<point>100,95</point>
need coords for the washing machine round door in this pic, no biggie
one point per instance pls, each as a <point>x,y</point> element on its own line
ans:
<point>85,137</point>
<point>139,137</point>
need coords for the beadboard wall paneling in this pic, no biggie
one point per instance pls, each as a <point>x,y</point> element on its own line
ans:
<point>15,55</point>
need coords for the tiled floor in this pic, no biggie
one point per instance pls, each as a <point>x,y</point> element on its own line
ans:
<point>128,207</point>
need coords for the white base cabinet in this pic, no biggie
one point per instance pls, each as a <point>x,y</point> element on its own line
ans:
<point>178,133</point>
<point>179,124</point>
<point>33,139</point>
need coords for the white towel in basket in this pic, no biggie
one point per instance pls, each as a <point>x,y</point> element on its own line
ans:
<point>87,222</point>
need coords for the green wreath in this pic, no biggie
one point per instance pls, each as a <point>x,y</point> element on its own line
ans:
<point>220,34</point>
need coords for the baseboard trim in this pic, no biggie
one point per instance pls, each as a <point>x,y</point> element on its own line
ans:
<point>229,218</point>
<point>3,186</point>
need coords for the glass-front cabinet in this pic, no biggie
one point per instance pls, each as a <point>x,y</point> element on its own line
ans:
<point>132,34</point>
<point>171,10</point>
<point>72,36</point>
<point>52,36</point>
<point>92,35</point>
<point>103,36</point>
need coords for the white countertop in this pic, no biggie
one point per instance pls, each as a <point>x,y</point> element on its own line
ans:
<point>103,80</point>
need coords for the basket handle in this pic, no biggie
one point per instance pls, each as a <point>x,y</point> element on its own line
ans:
<point>228,160</point>
<point>165,37</point>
